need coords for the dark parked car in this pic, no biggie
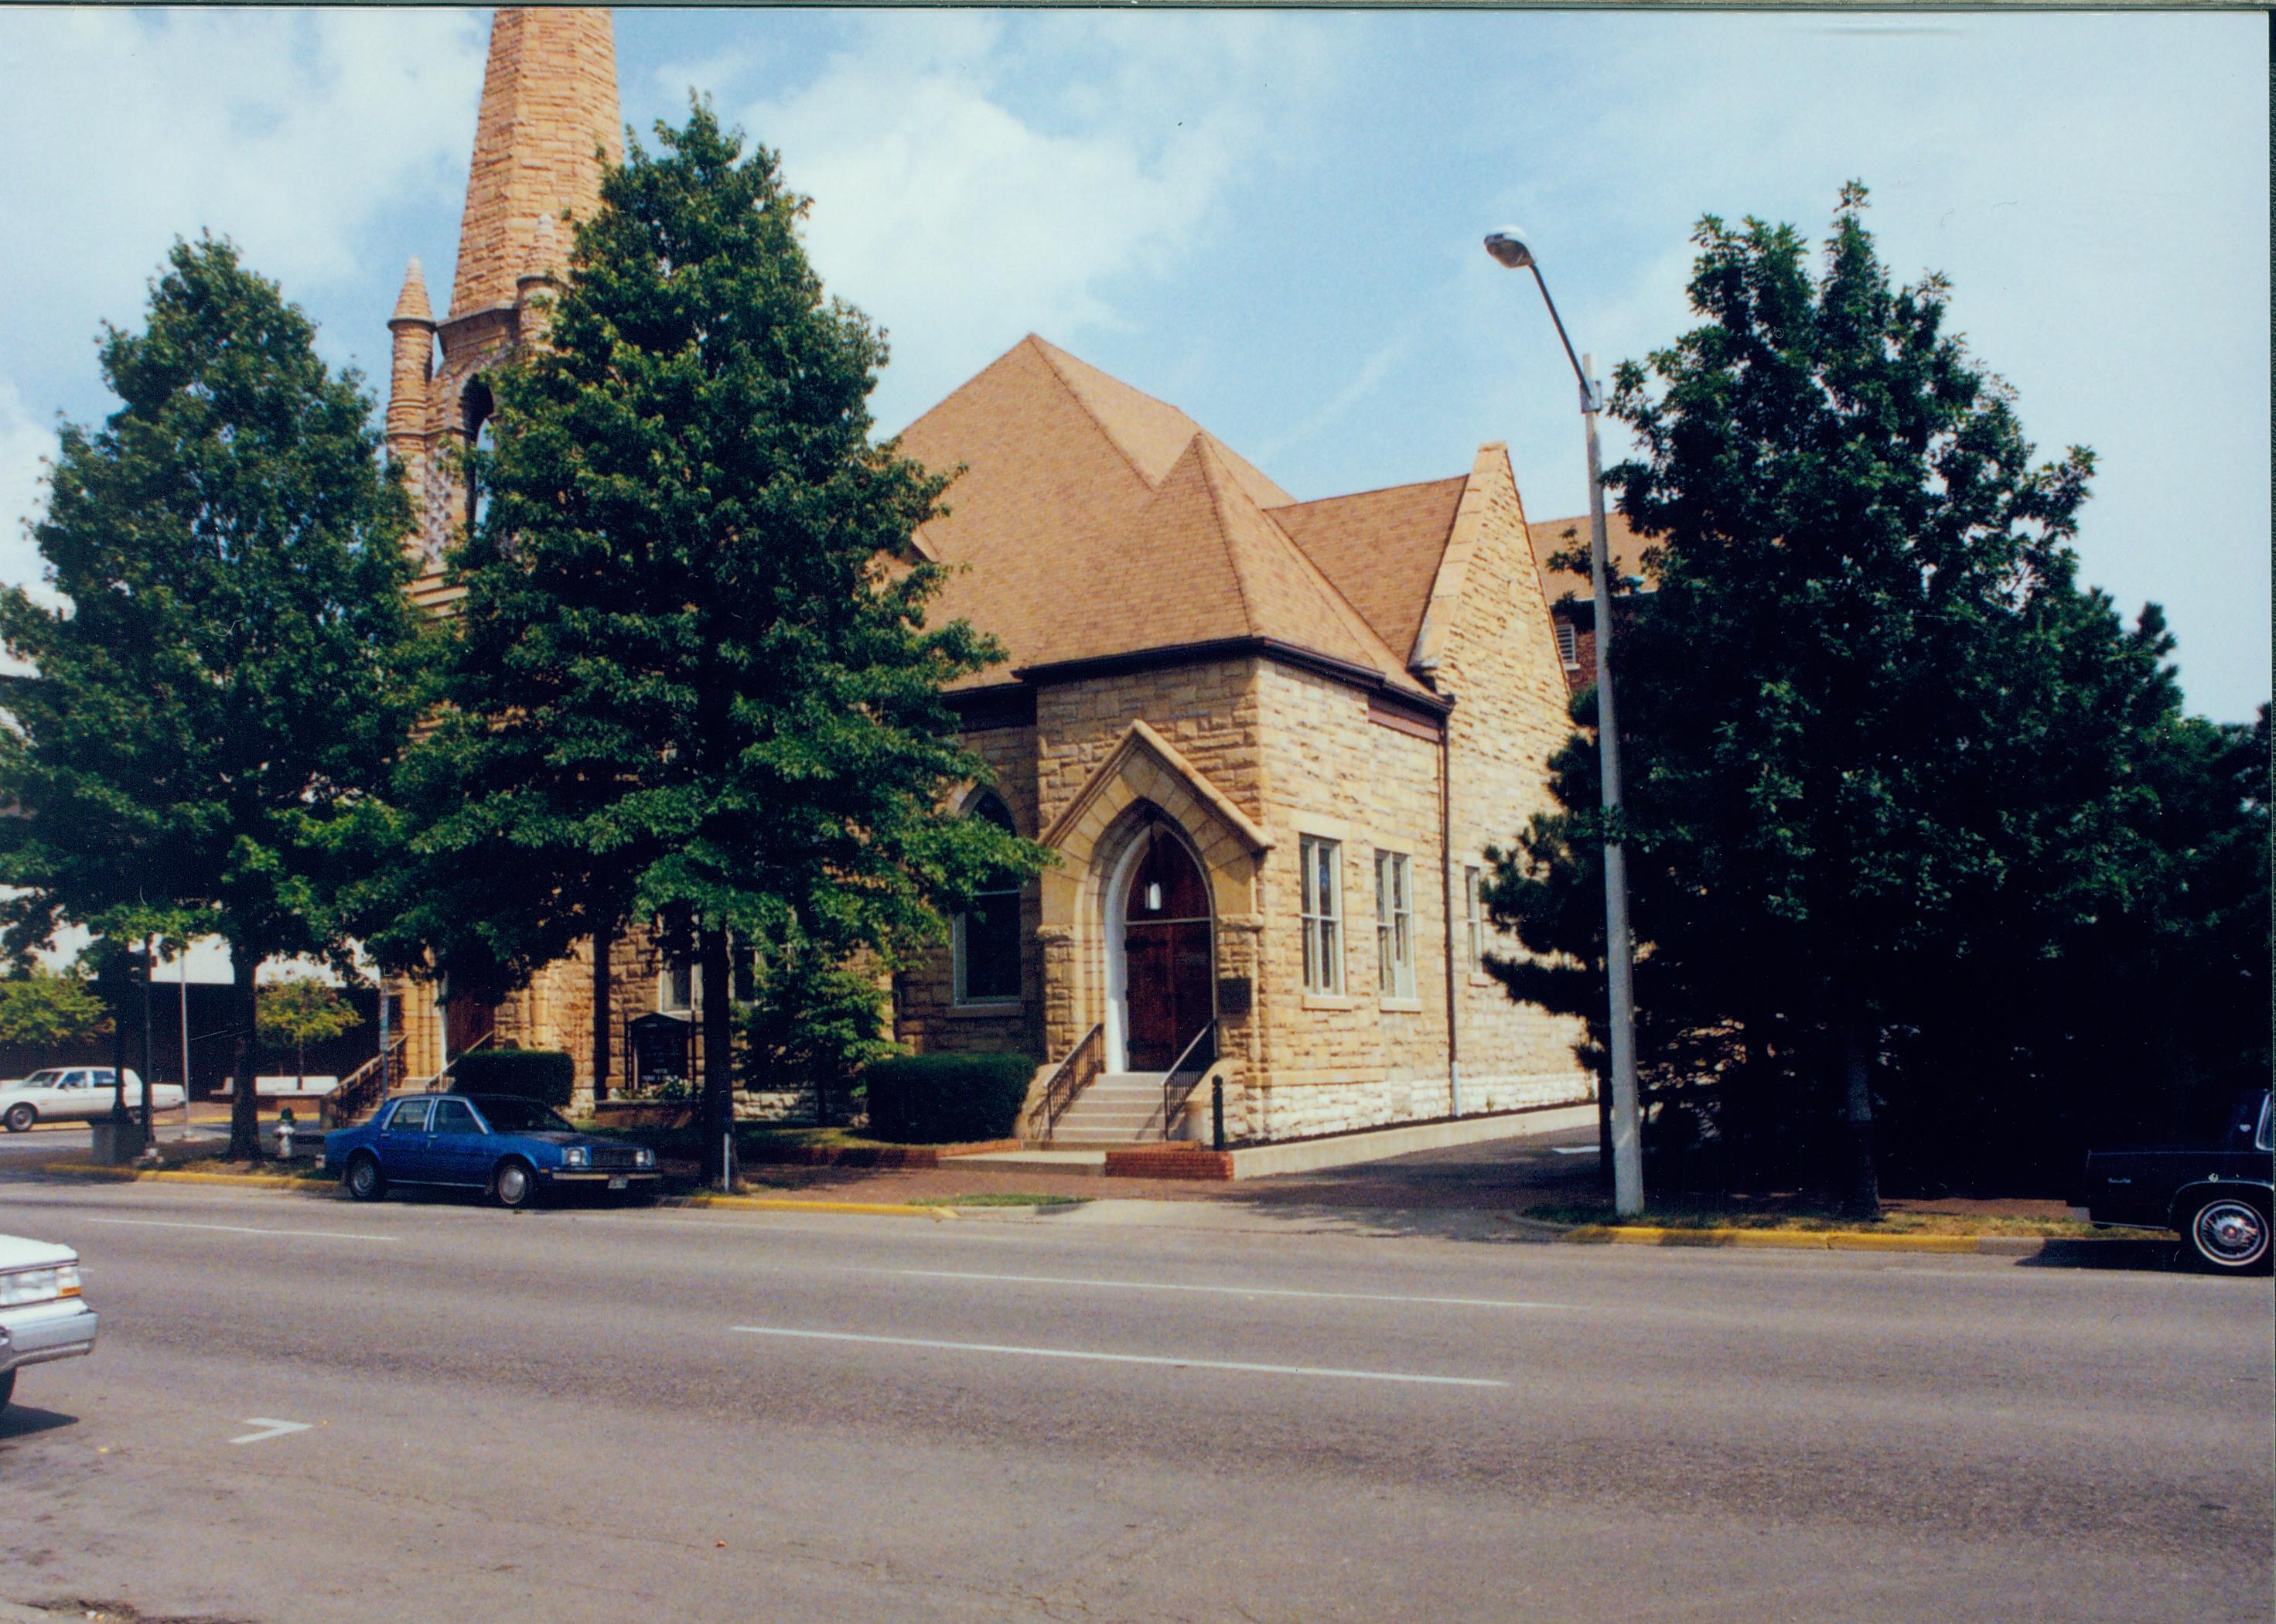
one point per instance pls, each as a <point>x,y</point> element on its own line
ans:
<point>512,1148</point>
<point>2215,1191</point>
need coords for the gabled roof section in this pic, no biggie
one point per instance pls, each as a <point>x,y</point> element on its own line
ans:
<point>1139,741</point>
<point>1077,533</point>
<point>1381,548</point>
<point>1151,433</point>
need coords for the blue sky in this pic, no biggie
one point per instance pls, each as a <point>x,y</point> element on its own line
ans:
<point>1273,219</point>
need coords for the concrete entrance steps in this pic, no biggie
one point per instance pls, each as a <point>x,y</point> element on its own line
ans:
<point>1118,1108</point>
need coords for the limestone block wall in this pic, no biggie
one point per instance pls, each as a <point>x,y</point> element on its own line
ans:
<point>926,1016</point>
<point>1209,712</point>
<point>1365,1056</point>
<point>1501,663</point>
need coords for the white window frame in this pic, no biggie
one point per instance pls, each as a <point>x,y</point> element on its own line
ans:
<point>1474,881</point>
<point>665,975</point>
<point>1569,645</point>
<point>1320,883</point>
<point>1394,924</point>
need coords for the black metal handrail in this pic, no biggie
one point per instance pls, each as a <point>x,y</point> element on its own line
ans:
<point>1199,1055</point>
<point>1084,1062</point>
<point>364,1087</point>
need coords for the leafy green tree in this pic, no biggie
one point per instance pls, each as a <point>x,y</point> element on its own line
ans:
<point>692,674</point>
<point>41,1008</point>
<point>1895,773</point>
<point>301,1010</point>
<point>810,1021</point>
<point>212,714</point>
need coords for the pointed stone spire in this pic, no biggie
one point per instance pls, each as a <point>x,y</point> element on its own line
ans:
<point>411,305</point>
<point>549,115</point>
<point>544,259</point>
<point>413,327</point>
<point>533,303</point>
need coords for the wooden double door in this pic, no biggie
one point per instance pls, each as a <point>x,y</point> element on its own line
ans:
<point>1168,956</point>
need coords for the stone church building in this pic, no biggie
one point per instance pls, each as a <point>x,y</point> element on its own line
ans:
<point>1268,740</point>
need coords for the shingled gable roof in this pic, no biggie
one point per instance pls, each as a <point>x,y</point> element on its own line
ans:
<point>1382,547</point>
<point>1082,535</point>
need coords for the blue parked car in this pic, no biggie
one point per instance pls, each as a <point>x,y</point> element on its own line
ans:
<point>511,1147</point>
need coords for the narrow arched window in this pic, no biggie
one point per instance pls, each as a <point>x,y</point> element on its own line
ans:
<point>987,932</point>
<point>482,436</point>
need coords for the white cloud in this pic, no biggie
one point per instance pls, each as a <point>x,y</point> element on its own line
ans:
<point>24,444</point>
<point>293,135</point>
<point>976,177</point>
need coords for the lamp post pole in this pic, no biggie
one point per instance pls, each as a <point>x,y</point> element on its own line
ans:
<point>1510,248</point>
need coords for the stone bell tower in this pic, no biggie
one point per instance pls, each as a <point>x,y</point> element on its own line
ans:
<point>547,129</point>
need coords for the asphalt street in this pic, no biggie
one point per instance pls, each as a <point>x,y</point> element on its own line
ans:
<point>303,1409</point>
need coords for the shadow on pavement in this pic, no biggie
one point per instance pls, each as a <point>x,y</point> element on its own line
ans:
<point>29,1420</point>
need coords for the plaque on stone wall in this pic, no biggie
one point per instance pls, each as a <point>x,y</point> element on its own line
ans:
<point>659,1047</point>
<point>1232,995</point>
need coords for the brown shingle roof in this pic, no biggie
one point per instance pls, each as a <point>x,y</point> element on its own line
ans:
<point>1382,547</point>
<point>1624,549</point>
<point>1080,534</point>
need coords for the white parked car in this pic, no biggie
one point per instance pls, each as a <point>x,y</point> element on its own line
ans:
<point>42,1316</point>
<point>75,1094</point>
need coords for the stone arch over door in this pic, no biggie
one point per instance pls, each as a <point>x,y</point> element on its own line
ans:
<point>1143,782</point>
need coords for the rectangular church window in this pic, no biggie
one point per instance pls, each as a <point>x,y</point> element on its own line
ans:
<point>1323,914</point>
<point>1395,925</point>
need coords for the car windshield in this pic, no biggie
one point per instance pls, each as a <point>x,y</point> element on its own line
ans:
<point>42,1080</point>
<point>522,1115</point>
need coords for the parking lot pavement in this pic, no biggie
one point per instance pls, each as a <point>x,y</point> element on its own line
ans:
<point>308,1411</point>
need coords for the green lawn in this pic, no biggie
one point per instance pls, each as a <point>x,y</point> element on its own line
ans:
<point>999,1198</point>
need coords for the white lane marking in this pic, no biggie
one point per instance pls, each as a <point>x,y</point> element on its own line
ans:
<point>1227,1291</point>
<point>1160,1359</point>
<point>247,1229</point>
<point>270,1428</point>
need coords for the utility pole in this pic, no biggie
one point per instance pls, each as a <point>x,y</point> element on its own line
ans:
<point>1509,248</point>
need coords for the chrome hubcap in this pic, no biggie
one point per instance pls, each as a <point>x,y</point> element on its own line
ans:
<point>2231,1231</point>
<point>511,1183</point>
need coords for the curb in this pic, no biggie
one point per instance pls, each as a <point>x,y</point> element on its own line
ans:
<point>764,1203</point>
<point>1830,1240</point>
<point>280,1181</point>
<point>137,1175</point>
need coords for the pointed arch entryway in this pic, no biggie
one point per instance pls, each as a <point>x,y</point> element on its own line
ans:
<point>1155,861</point>
<point>1160,950</point>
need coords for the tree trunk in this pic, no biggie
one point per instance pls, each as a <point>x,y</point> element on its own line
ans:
<point>718,1061</point>
<point>244,1108</point>
<point>1863,1199</point>
<point>604,942</point>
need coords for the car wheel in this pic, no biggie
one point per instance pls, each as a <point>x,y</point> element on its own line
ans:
<point>20,1118</point>
<point>2229,1233</point>
<point>363,1178</point>
<point>7,1388</point>
<point>514,1185</point>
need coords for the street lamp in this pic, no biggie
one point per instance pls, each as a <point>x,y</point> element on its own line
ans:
<point>1510,248</point>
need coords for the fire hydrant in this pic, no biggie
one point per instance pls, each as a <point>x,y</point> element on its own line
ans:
<point>284,1133</point>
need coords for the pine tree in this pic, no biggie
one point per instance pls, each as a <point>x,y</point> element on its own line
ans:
<point>692,676</point>
<point>213,714</point>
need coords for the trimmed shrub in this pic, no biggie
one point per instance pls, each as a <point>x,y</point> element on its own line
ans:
<point>547,1076</point>
<point>947,1099</point>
